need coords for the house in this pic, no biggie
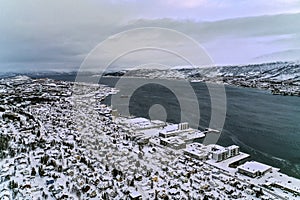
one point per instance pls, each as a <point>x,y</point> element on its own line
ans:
<point>135,195</point>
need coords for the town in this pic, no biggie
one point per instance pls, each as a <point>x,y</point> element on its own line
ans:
<point>59,141</point>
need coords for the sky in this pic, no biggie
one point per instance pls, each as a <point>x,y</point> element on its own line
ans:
<point>59,35</point>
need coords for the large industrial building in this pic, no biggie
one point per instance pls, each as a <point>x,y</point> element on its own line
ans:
<point>254,169</point>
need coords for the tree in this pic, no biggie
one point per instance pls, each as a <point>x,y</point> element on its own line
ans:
<point>140,155</point>
<point>60,168</point>
<point>105,196</point>
<point>188,175</point>
<point>140,147</point>
<point>12,184</point>
<point>205,197</point>
<point>83,160</point>
<point>11,153</point>
<point>41,171</point>
<point>115,173</point>
<point>78,194</point>
<point>166,197</point>
<point>33,171</point>
<point>132,183</point>
<point>53,163</point>
<point>137,164</point>
<point>44,195</point>
<point>4,141</point>
<point>156,195</point>
<point>44,159</point>
<point>38,133</point>
<point>259,193</point>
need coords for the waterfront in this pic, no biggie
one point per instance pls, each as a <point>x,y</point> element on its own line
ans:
<point>263,125</point>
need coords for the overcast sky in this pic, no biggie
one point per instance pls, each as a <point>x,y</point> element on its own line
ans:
<point>59,34</point>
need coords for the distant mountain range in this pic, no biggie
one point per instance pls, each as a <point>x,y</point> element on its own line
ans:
<point>278,77</point>
<point>276,71</point>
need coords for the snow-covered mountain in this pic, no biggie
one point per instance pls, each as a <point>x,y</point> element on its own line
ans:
<point>279,77</point>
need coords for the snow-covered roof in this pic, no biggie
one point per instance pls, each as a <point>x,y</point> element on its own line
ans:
<point>173,140</point>
<point>232,147</point>
<point>195,149</point>
<point>138,120</point>
<point>253,166</point>
<point>135,194</point>
<point>219,151</point>
<point>170,128</point>
<point>195,135</point>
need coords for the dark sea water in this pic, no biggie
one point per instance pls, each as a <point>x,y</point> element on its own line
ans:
<point>263,125</point>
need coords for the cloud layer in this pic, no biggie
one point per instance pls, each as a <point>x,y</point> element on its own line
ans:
<point>57,35</point>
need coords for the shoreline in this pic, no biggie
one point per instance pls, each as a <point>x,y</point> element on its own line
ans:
<point>268,90</point>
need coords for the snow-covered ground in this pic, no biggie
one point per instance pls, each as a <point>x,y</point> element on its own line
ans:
<point>59,142</point>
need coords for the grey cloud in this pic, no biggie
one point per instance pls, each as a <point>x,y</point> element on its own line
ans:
<point>286,55</point>
<point>62,33</point>
<point>240,40</point>
<point>239,27</point>
<point>54,31</point>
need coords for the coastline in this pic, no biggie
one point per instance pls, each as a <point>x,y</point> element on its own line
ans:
<point>218,82</point>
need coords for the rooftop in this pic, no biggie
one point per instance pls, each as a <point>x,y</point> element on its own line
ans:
<point>253,166</point>
<point>196,149</point>
<point>173,140</point>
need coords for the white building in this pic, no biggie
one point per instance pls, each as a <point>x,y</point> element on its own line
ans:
<point>181,129</point>
<point>173,142</point>
<point>195,150</point>
<point>135,195</point>
<point>233,150</point>
<point>183,126</point>
<point>220,153</point>
<point>254,169</point>
<point>141,123</point>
